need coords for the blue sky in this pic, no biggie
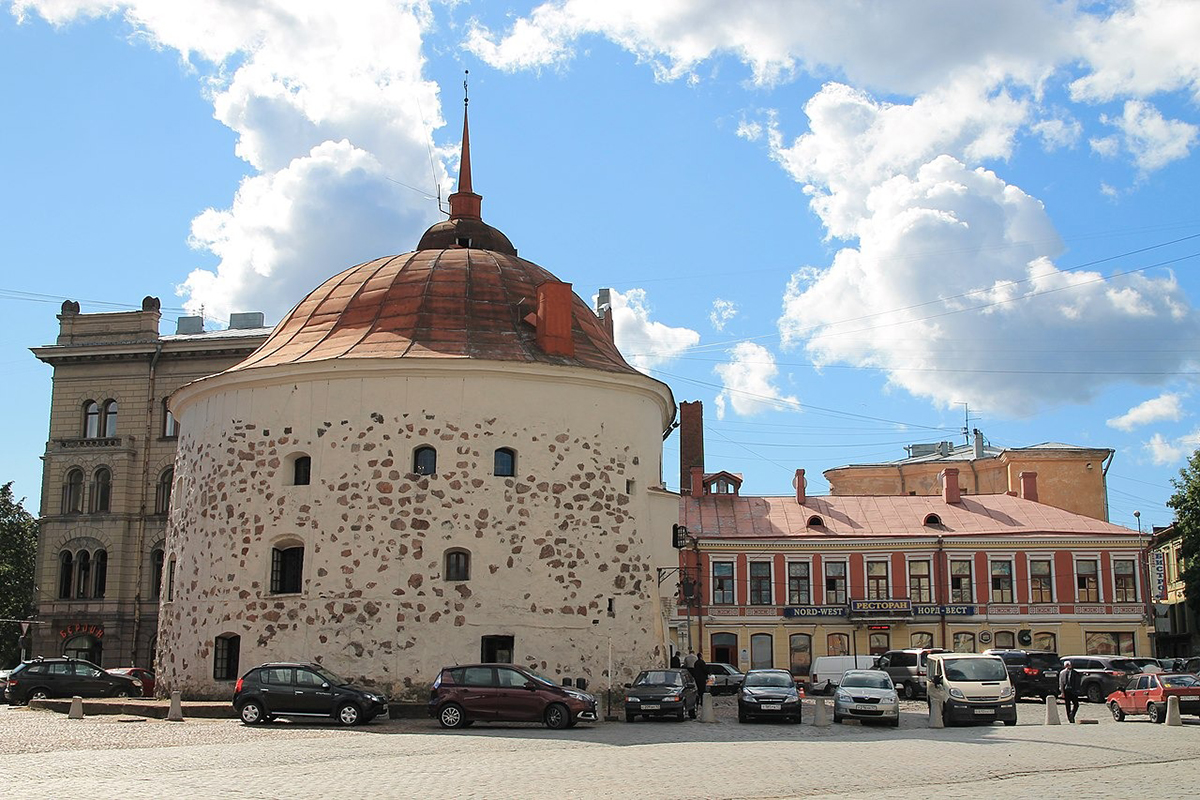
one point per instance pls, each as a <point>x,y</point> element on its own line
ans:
<point>833,222</point>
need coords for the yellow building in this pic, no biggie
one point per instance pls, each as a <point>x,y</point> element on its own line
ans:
<point>1176,626</point>
<point>1069,477</point>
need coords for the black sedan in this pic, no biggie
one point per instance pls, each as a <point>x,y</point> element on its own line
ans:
<point>661,692</point>
<point>769,694</point>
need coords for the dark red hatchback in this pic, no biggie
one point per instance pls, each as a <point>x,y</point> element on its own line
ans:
<point>464,695</point>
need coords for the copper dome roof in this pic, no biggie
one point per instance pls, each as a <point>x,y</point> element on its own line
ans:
<point>456,302</point>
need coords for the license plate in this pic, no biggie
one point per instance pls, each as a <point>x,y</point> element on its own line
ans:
<point>771,707</point>
<point>985,711</point>
<point>651,706</point>
<point>865,707</point>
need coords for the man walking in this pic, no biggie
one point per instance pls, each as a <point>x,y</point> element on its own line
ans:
<point>674,659</point>
<point>700,674</point>
<point>689,660</point>
<point>1068,684</point>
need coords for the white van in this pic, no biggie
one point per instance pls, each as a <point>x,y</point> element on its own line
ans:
<point>827,671</point>
<point>971,688</point>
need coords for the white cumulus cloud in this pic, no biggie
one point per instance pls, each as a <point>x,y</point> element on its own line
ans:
<point>1164,451</point>
<point>1167,406</point>
<point>722,311</point>
<point>330,107</point>
<point>646,343</point>
<point>749,383</point>
<point>1151,140</point>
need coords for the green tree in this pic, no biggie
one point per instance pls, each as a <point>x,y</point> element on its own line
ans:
<point>18,550</point>
<point>1186,503</point>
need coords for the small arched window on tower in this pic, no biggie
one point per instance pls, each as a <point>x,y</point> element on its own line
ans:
<point>91,420</point>
<point>425,460</point>
<point>458,565</point>
<point>101,496</point>
<point>170,425</point>
<point>100,578</point>
<point>505,462</point>
<point>162,492</point>
<point>302,471</point>
<point>72,494</point>
<point>109,428</point>
<point>287,568</point>
<point>66,574</point>
<point>932,519</point>
<point>816,522</point>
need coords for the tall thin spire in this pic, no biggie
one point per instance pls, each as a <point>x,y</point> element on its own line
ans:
<point>465,203</point>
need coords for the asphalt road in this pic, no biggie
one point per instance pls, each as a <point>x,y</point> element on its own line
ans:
<point>46,755</point>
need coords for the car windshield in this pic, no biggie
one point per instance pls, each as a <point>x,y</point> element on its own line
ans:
<point>1043,660</point>
<point>867,681</point>
<point>331,678</point>
<point>976,669</point>
<point>768,679</point>
<point>537,677</point>
<point>659,677</point>
<point>1173,681</point>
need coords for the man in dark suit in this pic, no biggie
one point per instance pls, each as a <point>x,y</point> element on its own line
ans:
<point>1068,684</point>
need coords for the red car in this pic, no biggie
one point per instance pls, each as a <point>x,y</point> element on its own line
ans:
<point>139,673</point>
<point>1147,694</point>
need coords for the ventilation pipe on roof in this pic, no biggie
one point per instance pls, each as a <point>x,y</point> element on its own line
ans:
<point>1028,486</point>
<point>605,312</point>
<point>978,443</point>
<point>801,485</point>
<point>691,442</point>
<point>554,318</point>
<point>950,490</point>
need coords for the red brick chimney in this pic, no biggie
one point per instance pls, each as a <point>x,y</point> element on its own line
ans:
<point>554,318</point>
<point>950,490</point>
<point>697,481</point>
<point>801,494</point>
<point>1028,485</point>
<point>691,442</point>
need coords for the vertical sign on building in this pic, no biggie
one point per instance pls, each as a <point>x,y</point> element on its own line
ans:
<point>1158,574</point>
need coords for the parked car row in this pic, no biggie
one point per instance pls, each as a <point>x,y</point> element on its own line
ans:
<point>1148,694</point>
<point>44,678</point>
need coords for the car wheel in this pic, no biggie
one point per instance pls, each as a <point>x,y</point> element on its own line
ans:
<point>252,713</point>
<point>1117,713</point>
<point>799,717</point>
<point>1156,713</point>
<point>557,716</point>
<point>39,694</point>
<point>910,691</point>
<point>837,718</point>
<point>895,723</point>
<point>1094,694</point>
<point>631,717</point>
<point>742,716</point>
<point>348,714</point>
<point>451,716</point>
<point>120,693</point>
<point>692,712</point>
<point>1010,722</point>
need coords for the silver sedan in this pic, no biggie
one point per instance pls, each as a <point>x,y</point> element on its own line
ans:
<point>868,695</point>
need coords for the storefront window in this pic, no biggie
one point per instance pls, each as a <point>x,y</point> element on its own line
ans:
<point>761,656</point>
<point>920,589</point>
<point>800,646</point>
<point>1108,644</point>
<point>964,642</point>
<point>837,644</point>
<point>1044,640</point>
<point>1005,640</point>
<point>879,643</point>
<point>921,639</point>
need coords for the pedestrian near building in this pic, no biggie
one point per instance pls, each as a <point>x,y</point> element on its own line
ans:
<point>700,673</point>
<point>1068,684</point>
<point>675,659</point>
<point>689,660</point>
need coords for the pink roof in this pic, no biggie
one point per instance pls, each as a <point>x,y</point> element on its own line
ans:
<point>733,517</point>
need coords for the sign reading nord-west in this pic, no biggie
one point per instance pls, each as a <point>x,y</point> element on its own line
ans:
<point>814,611</point>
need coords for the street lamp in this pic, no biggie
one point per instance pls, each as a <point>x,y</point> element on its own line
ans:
<point>1138,516</point>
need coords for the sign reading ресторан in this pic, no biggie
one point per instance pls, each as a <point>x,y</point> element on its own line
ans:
<point>814,611</point>
<point>881,606</point>
<point>949,611</point>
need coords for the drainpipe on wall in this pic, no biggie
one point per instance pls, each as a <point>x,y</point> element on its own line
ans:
<point>139,556</point>
<point>1104,480</point>
<point>941,574</point>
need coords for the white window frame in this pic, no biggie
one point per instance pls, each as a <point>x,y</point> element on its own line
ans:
<point>712,581</point>
<point>1137,576</point>
<point>1029,559</point>
<point>845,561</point>
<point>1075,559</point>
<point>771,594</point>
<point>887,562</point>
<point>1012,577</point>
<point>950,580</point>
<point>931,560</point>
<point>787,576</point>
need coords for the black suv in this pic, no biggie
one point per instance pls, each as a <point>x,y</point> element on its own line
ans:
<point>303,690</point>
<point>1100,676</point>
<point>1032,673</point>
<point>65,677</point>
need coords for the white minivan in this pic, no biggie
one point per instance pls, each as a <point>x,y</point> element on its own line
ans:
<point>827,671</point>
<point>971,688</point>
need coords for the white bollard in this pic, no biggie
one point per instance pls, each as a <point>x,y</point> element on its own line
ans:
<point>1173,711</point>
<point>707,713</point>
<point>821,713</point>
<point>76,708</point>
<point>935,713</point>
<point>1052,710</point>
<point>175,714</point>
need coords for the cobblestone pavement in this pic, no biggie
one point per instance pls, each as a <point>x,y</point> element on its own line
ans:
<point>44,754</point>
